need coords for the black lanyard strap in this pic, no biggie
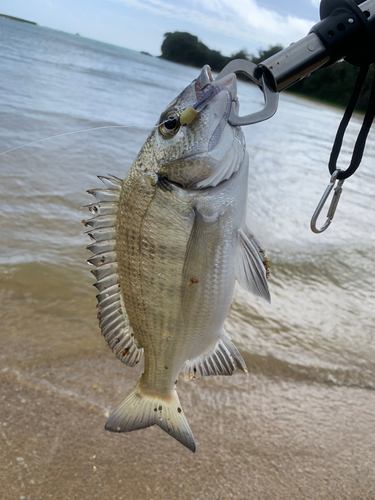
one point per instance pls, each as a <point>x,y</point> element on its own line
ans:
<point>362,136</point>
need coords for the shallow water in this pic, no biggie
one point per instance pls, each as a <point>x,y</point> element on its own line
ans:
<point>321,321</point>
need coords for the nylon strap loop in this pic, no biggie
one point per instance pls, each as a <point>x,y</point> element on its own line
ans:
<point>362,136</point>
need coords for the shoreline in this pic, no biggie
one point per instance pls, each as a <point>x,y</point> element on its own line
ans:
<point>12,18</point>
<point>329,104</point>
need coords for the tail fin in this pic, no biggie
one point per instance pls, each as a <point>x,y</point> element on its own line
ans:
<point>143,408</point>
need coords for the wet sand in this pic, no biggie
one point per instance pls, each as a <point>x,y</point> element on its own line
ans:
<point>268,435</point>
<point>257,437</point>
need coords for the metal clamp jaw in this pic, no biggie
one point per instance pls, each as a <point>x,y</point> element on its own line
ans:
<point>271,97</point>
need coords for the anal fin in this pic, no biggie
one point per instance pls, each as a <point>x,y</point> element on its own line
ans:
<point>221,359</point>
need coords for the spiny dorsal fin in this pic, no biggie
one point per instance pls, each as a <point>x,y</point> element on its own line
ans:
<point>113,320</point>
<point>220,359</point>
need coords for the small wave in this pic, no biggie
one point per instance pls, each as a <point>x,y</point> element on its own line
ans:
<point>334,375</point>
<point>43,280</point>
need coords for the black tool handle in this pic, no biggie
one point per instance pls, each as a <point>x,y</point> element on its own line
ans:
<point>346,31</point>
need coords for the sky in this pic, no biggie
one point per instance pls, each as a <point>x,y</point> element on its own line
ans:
<point>224,25</point>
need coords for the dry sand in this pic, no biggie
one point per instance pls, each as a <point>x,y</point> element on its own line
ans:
<point>257,437</point>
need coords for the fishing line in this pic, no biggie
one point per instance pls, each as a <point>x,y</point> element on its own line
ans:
<point>71,133</point>
<point>79,131</point>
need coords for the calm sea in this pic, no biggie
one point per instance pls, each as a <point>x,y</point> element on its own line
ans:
<point>321,323</point>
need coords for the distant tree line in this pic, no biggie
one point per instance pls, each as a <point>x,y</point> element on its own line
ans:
<point>185,48</point>
<point>333,84</point>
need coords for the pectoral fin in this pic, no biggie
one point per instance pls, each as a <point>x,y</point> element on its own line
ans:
<point>252,265</point>
<point>201,248</point>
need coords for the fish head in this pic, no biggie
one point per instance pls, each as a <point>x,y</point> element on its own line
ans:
<point>208,150</point>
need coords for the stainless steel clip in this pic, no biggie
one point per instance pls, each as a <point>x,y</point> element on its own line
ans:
<point>333,205</point>
<point>271,97</point>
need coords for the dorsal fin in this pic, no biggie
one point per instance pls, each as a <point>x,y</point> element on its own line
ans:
<point>112,316</point>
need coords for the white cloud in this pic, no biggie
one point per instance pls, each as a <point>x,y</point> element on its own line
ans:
<point>315,3</point>
<point>241,19</point>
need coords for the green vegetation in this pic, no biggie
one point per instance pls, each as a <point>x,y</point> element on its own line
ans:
<point>332,85</point>
<point>185,48</point>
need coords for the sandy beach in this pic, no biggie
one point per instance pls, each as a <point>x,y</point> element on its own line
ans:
<point>257,437</point>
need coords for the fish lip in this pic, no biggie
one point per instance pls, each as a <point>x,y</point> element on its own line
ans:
<point>205,83</point>
<point>204,79</point>
<point>230,82</point>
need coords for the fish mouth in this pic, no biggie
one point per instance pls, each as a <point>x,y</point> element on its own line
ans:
<point>206,89</point>
<point>225,90</point>
<point>205,82</point>
<point>205,78</point>
<point>230,83</point>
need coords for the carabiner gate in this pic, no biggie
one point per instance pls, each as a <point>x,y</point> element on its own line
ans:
<point>333,205</point>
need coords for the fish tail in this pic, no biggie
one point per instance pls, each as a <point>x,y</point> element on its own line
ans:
<point>144,408</point>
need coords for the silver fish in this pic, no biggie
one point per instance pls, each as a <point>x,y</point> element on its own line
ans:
<point>170,242</point>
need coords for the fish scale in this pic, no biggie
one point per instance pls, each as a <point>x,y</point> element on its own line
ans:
<point>128,248</point>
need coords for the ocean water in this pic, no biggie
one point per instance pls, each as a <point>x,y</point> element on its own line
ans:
<point>320,325</point>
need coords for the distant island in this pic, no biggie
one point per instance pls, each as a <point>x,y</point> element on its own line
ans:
<point>332,85</point>
<point>17,19</point>
<point>185,48</point>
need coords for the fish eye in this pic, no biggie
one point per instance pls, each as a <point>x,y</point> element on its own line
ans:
<point>169,123</point>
